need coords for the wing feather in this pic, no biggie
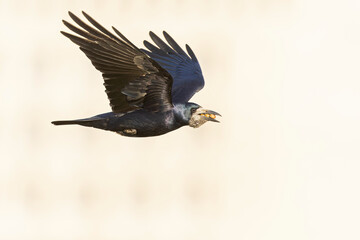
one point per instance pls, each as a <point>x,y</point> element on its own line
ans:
<point>162,45</point>
<point>132,80</point>
<point>185,70</point>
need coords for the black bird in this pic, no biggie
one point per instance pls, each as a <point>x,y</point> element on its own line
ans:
<point>149,89</point>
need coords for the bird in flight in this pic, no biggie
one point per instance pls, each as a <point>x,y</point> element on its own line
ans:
<point>149,90</point>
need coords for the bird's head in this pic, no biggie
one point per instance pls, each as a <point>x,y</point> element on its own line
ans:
<point>196,116</point>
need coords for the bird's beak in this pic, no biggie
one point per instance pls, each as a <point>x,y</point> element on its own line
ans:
<point>209,115</point>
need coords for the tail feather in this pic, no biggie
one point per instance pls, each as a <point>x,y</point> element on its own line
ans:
<point>88,122</point>
<point>66,122</point>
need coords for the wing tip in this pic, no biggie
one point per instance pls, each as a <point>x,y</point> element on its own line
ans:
<point>191,53</point>
<point>69,35</point>
<point>87,16</point>
<point>71,14</point>
<point>152,34</point>
<point>116,31</point>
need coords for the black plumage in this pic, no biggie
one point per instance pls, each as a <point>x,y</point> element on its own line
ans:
<point>149,89</point>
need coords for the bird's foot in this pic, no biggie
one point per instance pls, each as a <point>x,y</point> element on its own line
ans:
<point>127,132</point>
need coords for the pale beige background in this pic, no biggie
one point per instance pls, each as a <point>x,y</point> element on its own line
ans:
<point>283,164</point>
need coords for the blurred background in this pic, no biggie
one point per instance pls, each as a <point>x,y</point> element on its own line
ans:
<point>283,163</point>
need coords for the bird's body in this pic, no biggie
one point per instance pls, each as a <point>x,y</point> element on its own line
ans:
<point>144,124</point>
<point>138,123</point>
<point>148,90</point>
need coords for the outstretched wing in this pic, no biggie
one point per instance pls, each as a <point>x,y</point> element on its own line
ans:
<point>132,79</point>
<point>186,71</point>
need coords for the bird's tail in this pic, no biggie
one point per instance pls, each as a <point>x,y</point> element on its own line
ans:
<point>88,122</point>
<point>66,122</point>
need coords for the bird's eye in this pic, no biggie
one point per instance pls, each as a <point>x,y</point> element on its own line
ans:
<point>193,110</point>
